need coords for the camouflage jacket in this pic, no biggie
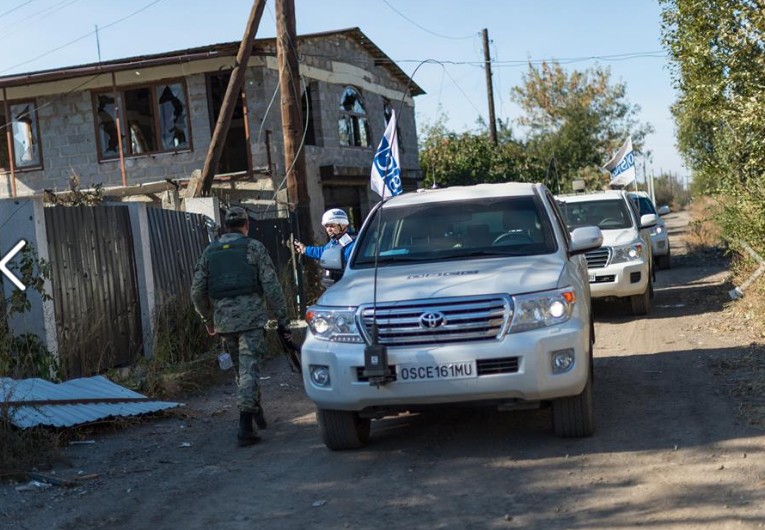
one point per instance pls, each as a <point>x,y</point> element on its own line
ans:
<point>239,313</point>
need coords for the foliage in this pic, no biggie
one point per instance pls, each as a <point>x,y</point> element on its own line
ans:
<point>577,118</point>
<point>718,67</point>
<point>181,337</point>
<point>76,196</point>
<point>26,355</point>
<point>574,123</point>
<point>452,159</point>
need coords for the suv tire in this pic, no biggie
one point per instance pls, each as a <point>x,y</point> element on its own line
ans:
<point>641,303</point>
<point>343,429</point>
<point>573,417</point>
<point>664,262</point>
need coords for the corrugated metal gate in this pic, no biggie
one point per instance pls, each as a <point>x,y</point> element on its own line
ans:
<point>177,241</point>
<point>95,295</point>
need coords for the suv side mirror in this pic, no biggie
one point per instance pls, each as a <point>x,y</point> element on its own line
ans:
<point>585,238</point>
<point>663,210</point>
<point>332,262</point>
<point>648,220</point>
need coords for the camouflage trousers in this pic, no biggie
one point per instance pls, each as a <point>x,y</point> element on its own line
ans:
<point>247,349</point>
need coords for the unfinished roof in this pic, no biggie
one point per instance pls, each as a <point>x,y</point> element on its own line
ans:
<point>33,402</point>
<point>205,52</point>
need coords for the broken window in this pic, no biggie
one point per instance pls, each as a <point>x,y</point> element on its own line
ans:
<point>25,136</point>
<point>153,119</point>
<point>173,121</point>
<point>307,106</point>
<point>353,127</point>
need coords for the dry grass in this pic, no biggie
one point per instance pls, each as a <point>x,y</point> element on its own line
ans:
<point>22,450</point>
<point>703,231</point>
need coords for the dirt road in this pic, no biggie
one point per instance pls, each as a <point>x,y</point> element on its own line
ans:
<point>670,449</point>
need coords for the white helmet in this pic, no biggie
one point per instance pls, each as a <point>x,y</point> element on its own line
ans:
<point>334,216</point>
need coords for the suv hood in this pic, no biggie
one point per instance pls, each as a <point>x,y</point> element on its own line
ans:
<point>621,236</point>
<point>444,279</point>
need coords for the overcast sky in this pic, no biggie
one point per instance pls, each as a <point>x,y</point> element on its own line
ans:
<point>623,35</point>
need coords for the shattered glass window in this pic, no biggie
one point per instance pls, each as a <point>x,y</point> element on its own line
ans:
<point>26,137</point>
<point>353,124</point>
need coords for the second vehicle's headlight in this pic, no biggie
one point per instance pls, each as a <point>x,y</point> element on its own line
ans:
<point>337,325</point>
<point>655,230</point>
<point>625,253</point>
<point>539,310</point>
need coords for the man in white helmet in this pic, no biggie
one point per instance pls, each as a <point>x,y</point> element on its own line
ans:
<point>335,222</point>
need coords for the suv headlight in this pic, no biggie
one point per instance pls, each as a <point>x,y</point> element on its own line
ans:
<point>625,253</point>
<point>337,325</point>
<point>539,310</point>
<point>655,230</point>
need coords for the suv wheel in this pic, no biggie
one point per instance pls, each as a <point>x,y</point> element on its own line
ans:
<point>573,417</point>
<point>641,303</point>
<point>343,429</point>
<point>664,262</point>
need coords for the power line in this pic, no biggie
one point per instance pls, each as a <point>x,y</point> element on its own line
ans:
<point>144,8</point>
<point>44,13</point>
<point>426,30</point>
<point>15,8</point>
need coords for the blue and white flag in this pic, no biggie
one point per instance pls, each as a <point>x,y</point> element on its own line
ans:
<point>622,165</point>
<point>386,170</point>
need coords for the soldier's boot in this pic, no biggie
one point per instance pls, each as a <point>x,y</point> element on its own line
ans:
<point>260,419</point>
<point>246,435</point>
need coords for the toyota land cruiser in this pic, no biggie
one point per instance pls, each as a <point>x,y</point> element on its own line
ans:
<point>475,294</point>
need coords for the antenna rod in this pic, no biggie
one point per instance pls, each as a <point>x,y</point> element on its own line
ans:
<point>98,45</point>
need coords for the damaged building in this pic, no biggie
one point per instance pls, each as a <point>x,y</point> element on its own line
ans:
<point>139,128</point>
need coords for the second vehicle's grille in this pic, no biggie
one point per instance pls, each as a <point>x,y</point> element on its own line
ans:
<point>598,258</point>
<point>437,321</point>
<point>504,365</point>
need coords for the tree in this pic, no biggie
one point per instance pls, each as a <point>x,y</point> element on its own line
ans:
<point>718,68</point>
<point>577,118</point>
<point>456,159</point>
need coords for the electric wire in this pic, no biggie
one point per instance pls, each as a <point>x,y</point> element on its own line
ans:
<point>34,18</point>
<point>426,30</point>
<point>78,39</point>
<point>16,8</point>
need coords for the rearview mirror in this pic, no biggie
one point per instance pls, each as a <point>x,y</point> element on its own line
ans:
<point>663,210</point>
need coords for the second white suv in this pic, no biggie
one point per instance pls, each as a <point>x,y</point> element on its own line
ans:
<point>622,267</point>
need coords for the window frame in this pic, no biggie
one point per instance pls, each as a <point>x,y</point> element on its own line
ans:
<point>156,121</point>
<point>12,161</point>
<point>355,118</point>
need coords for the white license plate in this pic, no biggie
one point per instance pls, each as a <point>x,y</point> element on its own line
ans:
<point>414,373</point>
<point>592,277</point>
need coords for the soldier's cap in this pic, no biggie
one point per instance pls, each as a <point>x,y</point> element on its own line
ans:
<point>235,213</point>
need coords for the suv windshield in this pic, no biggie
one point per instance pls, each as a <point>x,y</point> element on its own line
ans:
<point>515,226</point>
<point>605,214</point>
<point>644,205</point>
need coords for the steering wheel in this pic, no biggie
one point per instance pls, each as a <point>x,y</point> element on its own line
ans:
<point>507,237</point>
<point>609,221</point>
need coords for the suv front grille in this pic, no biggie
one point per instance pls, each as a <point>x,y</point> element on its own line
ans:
<point>438,321</point>
<point>504,365</point>
<point>598,258</point>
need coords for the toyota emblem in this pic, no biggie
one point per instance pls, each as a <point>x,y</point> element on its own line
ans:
<point>432,320</point>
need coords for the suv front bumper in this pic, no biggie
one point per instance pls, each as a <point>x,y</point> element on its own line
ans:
<point>517,366</point>
<point>620,280</point>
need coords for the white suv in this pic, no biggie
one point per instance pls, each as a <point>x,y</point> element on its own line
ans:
<point>474,294</point>
<point>660,249</point>
<point>622,267</point>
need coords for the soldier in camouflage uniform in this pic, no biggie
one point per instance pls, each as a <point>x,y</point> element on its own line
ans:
<point>233,280</point>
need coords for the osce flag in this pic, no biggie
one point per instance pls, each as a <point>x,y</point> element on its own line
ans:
<point>622,165</point>
<point>386,171</point>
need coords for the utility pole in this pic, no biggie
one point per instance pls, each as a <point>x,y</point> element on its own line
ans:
<point>489,87</point>
<point>202,186</point>
<point>292,119</point>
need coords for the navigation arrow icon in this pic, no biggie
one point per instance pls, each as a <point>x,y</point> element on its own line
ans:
<point>8,257</point>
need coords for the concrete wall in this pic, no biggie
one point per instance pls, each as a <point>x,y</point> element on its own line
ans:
<point>25,219</point>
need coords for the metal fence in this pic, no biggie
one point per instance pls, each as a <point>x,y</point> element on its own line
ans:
<point>95,290</point>
<point>97,286</point>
